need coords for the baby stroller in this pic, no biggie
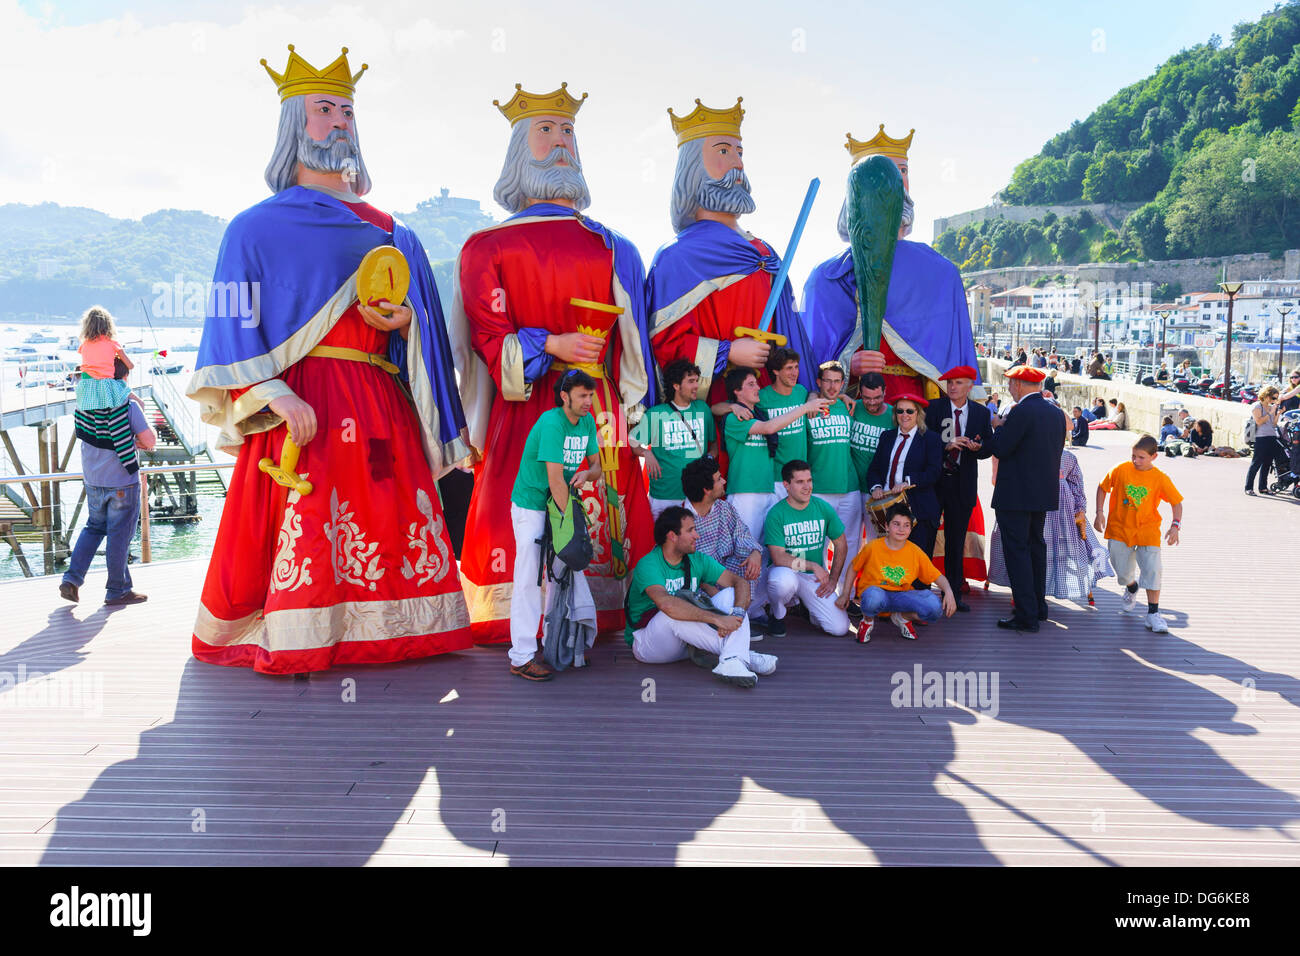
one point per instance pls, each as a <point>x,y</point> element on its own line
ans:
<point>1288,433</point>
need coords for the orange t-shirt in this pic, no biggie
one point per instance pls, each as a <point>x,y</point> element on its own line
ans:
<point>878,565</point>
<point>1135,496</point>
<point>97,357</point>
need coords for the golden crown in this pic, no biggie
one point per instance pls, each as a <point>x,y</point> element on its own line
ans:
<point>879,145</point>
<point>301,77</point>
<point>556,103</point>
<point>703,121</point>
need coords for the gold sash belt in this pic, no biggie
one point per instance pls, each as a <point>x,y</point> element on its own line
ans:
<point>354,355</point>
<point>593,369</point>
<point>899,370</point>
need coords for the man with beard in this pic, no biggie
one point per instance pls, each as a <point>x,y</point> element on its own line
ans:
<point>713,277</point>
<point>545,291</point>
<point>353,566</point>
<point>926,328</point>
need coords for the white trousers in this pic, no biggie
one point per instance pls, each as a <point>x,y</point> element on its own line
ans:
<point>784,585</point>
<point>753,506</point>
<point>778,489</point>
<point>657,505</point>
<point>664,639</point>
<point>526,596</point>
<point>848,508</point>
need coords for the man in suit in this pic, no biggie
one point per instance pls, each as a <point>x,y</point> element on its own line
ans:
<point>910,454</point>
<point>1028,445</point>
<point>953,418</point>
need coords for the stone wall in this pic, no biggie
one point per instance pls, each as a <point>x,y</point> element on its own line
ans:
<point>1143,405</point>
<point>1193,275</point>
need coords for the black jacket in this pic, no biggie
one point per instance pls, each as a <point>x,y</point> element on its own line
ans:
<point>922,465</point>
<point>976,424</point>
<point>1028,447</point>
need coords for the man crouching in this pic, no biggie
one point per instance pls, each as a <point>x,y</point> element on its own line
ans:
<point>664,627</point>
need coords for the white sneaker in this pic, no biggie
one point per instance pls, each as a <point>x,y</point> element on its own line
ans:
<point>733,671</point>
<point>762,664</point>
<point>1157,623</point>
<point>904,626</point>
<point>1128,601</point>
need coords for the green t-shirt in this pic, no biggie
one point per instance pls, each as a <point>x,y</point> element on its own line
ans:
<point>828,451</point>
<point>793,439</point>
<point>677,440</point>
<point>749,467</point>
<point>805,533</point>
<point>864,436</point>
<point>552,439</point>
<point>654,570</point>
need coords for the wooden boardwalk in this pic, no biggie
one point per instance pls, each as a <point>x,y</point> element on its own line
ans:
<point>1110,745</point>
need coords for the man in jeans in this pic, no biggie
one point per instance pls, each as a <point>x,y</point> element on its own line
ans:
<point>112,510</point>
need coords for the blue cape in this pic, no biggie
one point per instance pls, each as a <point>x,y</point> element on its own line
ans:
<point>301,246</point>
<point>707,250</point>
<point>926,298</point>
<point>631,276</point>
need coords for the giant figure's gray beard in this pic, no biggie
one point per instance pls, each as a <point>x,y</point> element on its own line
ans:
<point>543,179</point>
<point>730,194</point>
<point>336,153</point>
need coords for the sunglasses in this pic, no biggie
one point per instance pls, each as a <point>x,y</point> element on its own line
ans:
<point>905,411</point>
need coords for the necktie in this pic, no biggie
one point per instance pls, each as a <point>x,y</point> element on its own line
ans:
<point>898,453</point>
<point>954,454</point>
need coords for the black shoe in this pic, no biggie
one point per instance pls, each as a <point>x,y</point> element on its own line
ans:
<point>854,610</point>
<point>701,658</point>
<point>962,605</point>
<point>776,628</point>
<point>1015,624</point>
<point>1042,615</point>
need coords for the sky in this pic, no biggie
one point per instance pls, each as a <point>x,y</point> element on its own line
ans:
<point>138,106</point>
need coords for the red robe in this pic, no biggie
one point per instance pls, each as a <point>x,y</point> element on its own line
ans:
<point>359,571</point>
<point>519,276</point>
<point>739,305</point>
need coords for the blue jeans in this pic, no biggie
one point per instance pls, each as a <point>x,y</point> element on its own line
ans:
<point>111,513</point>
<point>924,604</point>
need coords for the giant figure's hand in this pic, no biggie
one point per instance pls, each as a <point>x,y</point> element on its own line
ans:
<point>865,361</point>
<point>398,321</point>
<point>576,348</point>
<point>298,415</point>
<point>749,353</point>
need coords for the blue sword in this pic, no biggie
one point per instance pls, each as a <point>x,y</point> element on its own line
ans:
<point>778,283</point>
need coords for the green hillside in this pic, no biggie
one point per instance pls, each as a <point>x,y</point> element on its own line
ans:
<point>58,260</point>
<point>1210,143</point>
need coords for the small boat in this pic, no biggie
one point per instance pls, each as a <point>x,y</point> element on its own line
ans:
<point>24,353</point>
<point>187,347</point>
<point>167,368</point>
<point>38,338</point>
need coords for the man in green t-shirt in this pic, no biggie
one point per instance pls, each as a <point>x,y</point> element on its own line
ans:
<point>871,418</point>
<point>797,531</point>
<point>829,457</point>
<point>672,435</point>
<point>749,461</point>
<point>783,395</point>
<point>662,627</point>
<point>555,453</point>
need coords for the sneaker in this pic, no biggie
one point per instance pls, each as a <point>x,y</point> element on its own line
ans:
<point>904,626</point>
<point>865,628</point>
<point>1127,601</point>
<point>854,610</point>
<point>1157,623</point>
<point>775,628</point>
<point>69,592</point>
<point>762,664</point>
<point>535,669</point>
<point>701,658</point>
<point>733,671</point>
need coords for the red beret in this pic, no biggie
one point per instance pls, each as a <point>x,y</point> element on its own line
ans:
<point>910,397</point>
<point>961,371</point>
<point>1027,373</point>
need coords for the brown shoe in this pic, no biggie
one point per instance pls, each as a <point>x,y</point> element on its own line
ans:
<point>69,592</point>
<point>130,597</point>
<point>535,669</point>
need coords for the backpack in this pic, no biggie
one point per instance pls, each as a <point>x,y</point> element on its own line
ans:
<point>687,594</point>
<point>565,536</point>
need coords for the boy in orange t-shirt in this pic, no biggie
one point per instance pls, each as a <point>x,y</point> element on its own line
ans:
<point>883,574</point>
<point>1132,526</point>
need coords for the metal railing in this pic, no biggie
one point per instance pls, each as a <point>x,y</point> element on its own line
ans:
<point>146,550</point>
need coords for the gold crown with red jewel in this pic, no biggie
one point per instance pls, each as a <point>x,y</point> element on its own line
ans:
<point>524,104</point>
<point>704,121</point>
<point>301,77</point>
<point>879,145</point>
